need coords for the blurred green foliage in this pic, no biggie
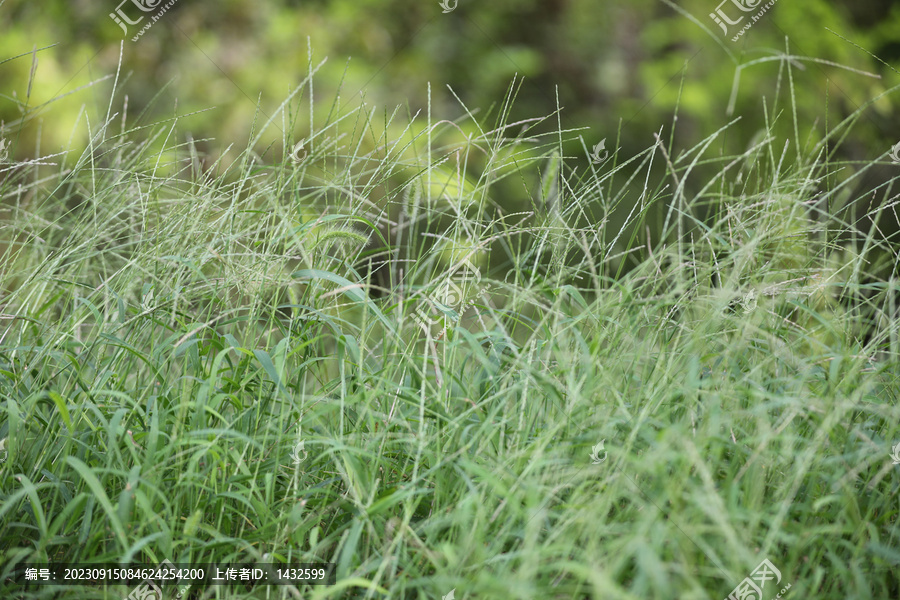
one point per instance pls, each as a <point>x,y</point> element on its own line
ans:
<point>620,70</point>
<point>608,58</point>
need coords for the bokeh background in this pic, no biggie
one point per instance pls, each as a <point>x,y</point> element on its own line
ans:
<point>610,60</point>
<point>619,69</point>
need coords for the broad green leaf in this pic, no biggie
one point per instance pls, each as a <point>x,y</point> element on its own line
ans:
<point>60,403</point>
<point>100,494</point>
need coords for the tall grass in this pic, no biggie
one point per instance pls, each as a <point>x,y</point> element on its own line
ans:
<point>254,362</point>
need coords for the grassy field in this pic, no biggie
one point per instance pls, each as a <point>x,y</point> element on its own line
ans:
<point>344,350</point>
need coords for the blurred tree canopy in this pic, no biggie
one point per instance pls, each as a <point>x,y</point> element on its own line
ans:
<point>611,60</point>
<point>620,68</point>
